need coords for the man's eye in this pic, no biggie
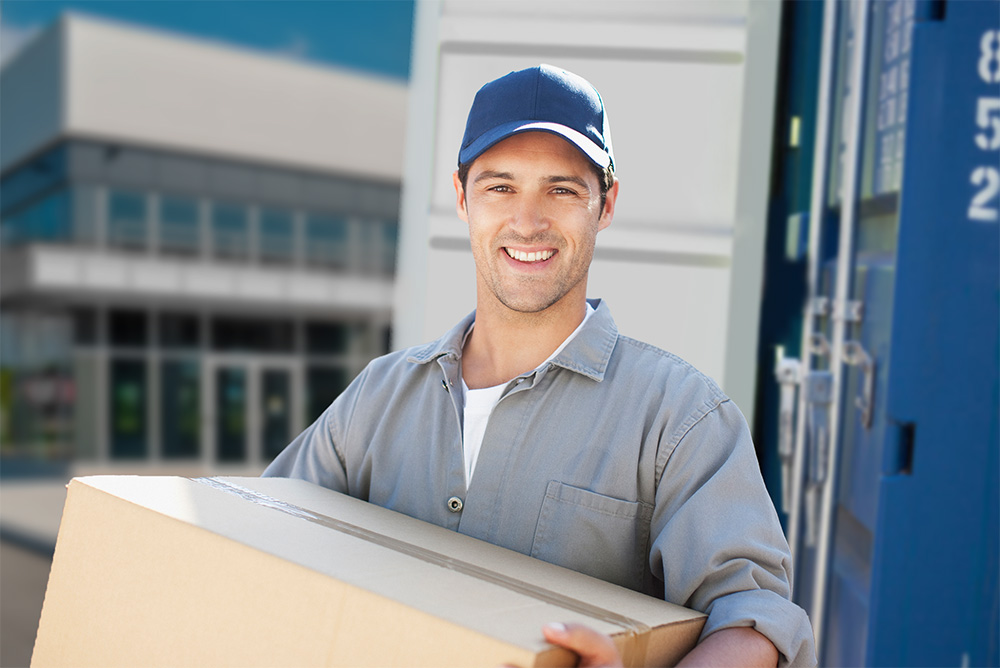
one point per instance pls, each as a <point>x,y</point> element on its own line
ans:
<point>563,191</point>
<point>500,189</point>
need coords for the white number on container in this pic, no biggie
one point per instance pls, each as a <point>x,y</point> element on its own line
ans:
<point>987,179</point>
<point>988,118</point>
<point>989,46</point>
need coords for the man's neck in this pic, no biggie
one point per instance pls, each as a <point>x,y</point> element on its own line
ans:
<point>505,344</point>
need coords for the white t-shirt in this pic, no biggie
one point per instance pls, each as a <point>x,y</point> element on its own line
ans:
<point>479,405</point>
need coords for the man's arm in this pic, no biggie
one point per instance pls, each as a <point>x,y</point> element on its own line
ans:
<point>717,540</point>
<point>734,646</point>
<point>727,647</point>
<point>313,456</point>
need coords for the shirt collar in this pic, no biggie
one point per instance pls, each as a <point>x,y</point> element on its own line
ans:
<point>450,344</point>
<point>587,354</point>
<point>590,351</point>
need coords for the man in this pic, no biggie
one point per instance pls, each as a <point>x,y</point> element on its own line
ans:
<point>534,425</point>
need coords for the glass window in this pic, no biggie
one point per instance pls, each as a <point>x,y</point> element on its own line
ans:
<point>10,230</point>
<point>276,399</point>
<point>248,335</point>
<point>47,219</point>
<point>127,219</point>
<point>37,405</point>
<point>326,241</point>
<point>52,221</point>
<point>323,385</point>
<point>180,413</point>
<point>230,231</point>
<point>277,236</point>
<point>128,409</point>
<point>326,338</point>
<point>231,425</point>
<point>179,331</point>
<point>128,328</point>
<point>179,225</point>
<point>34,177</point>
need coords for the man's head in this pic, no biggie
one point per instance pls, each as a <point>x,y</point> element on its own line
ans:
<point>541,99</point>
<point>535,184</point>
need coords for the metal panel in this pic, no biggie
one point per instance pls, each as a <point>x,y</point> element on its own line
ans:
<point>934,597</point>
<point>690,111</point>
<point>908,573</point>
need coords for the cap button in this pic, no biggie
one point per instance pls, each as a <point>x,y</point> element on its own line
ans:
<point>455,504</point>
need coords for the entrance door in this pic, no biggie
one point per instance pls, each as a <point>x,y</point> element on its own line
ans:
<point>253,407</point>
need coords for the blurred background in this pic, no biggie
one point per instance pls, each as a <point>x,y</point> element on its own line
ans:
<point>214,214</point>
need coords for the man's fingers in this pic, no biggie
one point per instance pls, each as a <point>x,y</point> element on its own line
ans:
<point>594,649</point>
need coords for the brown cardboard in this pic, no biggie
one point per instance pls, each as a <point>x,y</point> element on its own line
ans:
<point>178,572</point>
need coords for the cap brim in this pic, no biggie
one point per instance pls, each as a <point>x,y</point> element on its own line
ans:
<point>594,153</point>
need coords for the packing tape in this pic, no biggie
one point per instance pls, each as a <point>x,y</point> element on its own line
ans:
<point>636,632</point>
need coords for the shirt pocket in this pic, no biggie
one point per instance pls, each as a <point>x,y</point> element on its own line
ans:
<point>593,533</point>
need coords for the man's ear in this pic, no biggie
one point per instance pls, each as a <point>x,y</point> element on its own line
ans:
<point>608,212</point>
<point>460,205</point>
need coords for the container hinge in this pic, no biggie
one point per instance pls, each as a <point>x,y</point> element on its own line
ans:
<point>818,386</point>
<point>818,306</point>
<point>786,371</point>
<point>819,345</point>
<point>856,355</point>
<point>849,311</point>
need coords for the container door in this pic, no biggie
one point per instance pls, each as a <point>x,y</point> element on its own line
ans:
<point>897,560</point>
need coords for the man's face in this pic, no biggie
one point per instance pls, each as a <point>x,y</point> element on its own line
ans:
<point>533,206</point>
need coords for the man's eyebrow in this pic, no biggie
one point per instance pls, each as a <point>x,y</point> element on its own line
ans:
<point>570,179</point>
<point>482,176</point>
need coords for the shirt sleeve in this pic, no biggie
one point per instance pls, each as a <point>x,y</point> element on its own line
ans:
<point>716,538</point>
<point>316,455</point>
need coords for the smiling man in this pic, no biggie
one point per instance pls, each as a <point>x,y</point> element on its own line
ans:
<point>534,425</point>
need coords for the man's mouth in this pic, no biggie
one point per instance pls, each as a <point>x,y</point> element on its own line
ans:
<point>537,256</point>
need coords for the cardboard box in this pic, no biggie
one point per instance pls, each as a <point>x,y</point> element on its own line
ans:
<point>273,572</point>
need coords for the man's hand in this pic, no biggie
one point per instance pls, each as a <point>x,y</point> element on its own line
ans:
<point>727,647</point>
<point>594,649</point>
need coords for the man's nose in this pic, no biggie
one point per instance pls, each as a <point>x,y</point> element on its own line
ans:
<point>529,216</point>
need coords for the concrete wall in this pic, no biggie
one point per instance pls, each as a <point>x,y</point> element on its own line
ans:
<point>150,88</point>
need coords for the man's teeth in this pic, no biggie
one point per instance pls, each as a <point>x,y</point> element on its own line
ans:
<point>521,256</point>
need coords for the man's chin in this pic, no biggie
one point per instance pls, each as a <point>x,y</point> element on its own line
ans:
<point>529,306</point>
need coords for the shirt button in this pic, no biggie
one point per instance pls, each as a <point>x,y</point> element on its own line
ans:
<point>454,504</point>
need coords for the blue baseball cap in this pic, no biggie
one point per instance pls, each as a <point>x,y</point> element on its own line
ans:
<point>539,99</point>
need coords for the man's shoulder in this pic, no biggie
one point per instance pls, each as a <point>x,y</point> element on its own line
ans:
<point>415,359</point>
<point>662,368</point>
<point>406,358</point>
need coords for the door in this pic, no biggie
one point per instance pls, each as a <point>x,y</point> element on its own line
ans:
<point>253,409</point>
<point>894,517</point>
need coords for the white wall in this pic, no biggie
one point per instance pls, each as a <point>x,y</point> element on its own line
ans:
<point>692,145</point>
<point>152,88</point>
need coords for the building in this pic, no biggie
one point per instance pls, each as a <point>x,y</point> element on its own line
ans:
<point>198,245</point>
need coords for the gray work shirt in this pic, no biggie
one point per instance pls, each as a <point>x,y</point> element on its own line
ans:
<point>615,459</point>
